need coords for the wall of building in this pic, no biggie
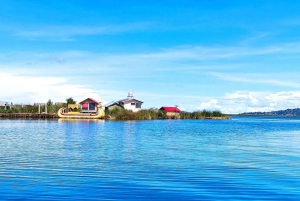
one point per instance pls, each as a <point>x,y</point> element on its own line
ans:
<point>89,109</point>
<point>173,114</point>
<point>129,106</point>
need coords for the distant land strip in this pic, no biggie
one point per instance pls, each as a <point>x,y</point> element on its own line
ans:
<point>287,112</point>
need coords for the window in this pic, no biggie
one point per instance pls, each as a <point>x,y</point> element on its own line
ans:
<point>92,106</point>
<point>138,105</point>
<point>132,103</point>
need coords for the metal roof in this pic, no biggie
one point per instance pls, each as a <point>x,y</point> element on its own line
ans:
<point>170,109</point>
<point>129,101</point>
<point>112,103</point>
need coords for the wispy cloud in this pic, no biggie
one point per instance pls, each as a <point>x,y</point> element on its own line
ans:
<point>257,79</point>
<point>179,53</point>
<point>201,53</point>
<point>68,32</point>
<point>112,75</point>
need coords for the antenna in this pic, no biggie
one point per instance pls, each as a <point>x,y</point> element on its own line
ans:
<point>130,95</point>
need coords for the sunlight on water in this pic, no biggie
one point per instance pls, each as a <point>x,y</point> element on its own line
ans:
<point>247,158</point>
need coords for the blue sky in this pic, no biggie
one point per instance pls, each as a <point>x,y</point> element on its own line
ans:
<point>233,56</point>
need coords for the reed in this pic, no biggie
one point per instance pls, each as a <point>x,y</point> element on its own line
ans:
<point>123,114</point>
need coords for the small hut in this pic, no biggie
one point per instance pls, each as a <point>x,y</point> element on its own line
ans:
<point>171,111</point>
<point>89,105</point>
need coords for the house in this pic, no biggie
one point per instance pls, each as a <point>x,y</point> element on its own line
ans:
<point>89,105</point>
<point>112,105</point>
<point>171,111</point>
<point>129,104</point>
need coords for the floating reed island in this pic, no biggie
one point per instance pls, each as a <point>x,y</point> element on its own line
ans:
<point>125,109</point>
<point>123,114</point>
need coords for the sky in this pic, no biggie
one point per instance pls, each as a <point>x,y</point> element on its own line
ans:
<point>233,56</point>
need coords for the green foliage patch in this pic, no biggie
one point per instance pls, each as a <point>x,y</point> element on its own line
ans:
<point>123,114</point>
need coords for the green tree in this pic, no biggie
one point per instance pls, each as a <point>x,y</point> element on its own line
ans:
<point>70,101</point>
<point>49,105</point>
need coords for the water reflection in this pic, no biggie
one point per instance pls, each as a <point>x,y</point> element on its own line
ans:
<point>80,120</point>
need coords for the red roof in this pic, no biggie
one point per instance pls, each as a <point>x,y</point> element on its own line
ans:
<point>170,109</point>
<point>98,103</point>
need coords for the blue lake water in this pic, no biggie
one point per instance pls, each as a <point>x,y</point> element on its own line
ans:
<point>246,158</point>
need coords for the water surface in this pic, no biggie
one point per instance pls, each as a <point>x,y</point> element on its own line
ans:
<point>246,158</point>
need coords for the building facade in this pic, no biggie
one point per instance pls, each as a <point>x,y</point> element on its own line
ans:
<point>130,103</point>
<point>89,105</point>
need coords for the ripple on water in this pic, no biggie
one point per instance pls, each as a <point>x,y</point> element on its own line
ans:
<point>243,159</point>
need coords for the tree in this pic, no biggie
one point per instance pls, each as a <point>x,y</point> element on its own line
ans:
<point>49,106</point>
<point>49,103</point>
<point>70,101</point>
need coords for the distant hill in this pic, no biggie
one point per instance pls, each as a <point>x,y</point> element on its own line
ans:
<point>287,112</point>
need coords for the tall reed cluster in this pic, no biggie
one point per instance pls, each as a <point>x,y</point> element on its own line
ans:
<point>34,109</point>
<point>123,114</point>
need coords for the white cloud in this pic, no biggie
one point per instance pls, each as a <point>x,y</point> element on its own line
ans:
<point>247,101</point>
<point>210,105</point>
<point>26,89</point>
<point>37,77</point>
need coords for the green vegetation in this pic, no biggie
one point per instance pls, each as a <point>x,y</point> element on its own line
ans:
<point>21,109</point>
<point>13,110</point>
<point>70,101</point>
<point>123,114</point>
<point>117,113</point>
<point>202,115</point>
<point>34,109</point>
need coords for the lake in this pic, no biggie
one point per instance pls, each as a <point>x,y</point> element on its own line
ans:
<point>246,158</point>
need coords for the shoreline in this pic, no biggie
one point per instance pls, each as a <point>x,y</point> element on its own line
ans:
<point>28,115</point>
<point>55,116</point>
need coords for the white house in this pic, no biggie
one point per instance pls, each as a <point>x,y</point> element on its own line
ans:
<point>130,103</point>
